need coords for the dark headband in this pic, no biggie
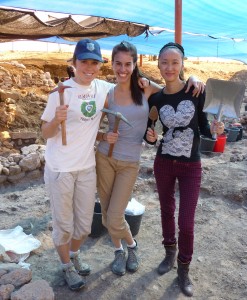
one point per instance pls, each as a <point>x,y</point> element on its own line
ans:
<point>173,45</point>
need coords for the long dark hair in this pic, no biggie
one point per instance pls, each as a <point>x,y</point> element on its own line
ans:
<point>136,91</point>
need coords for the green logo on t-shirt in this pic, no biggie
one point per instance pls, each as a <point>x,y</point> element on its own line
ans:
<point>88,108</point>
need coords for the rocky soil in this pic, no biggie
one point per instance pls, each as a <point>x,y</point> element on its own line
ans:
<point>219,266</point>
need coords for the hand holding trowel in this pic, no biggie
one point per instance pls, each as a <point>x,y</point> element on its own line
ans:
<point>223,98</point>
<point>151,134</point>
<point>153,116</point>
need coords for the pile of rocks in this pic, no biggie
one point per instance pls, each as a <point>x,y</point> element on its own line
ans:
<point>16,284</point>
<point>238,155</point>
<point>28,164</point>
<point>24,78</point>
<point>12,142</point>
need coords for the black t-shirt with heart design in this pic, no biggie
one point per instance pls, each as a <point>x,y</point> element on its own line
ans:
<point>183,121</point>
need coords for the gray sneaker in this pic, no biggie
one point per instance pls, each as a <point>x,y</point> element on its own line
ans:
<point>82,268</point>
<point>73,279</point>
<point>133,260</point>
<point>119,264</point>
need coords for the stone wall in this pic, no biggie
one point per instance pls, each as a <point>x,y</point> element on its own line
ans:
<point>23,79</point>
<point>28,164</point>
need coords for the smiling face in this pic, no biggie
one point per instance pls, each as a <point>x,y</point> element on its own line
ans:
<point>86,71</point>
<point>123,66</point>
<point>170,64</point>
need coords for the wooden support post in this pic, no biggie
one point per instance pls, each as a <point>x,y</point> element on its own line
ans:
<point>141,57</point>
<point>178,21</point>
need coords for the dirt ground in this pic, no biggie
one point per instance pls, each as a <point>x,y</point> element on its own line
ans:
<point>219,266</point>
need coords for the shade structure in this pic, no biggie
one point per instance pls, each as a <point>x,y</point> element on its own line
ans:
<point>209,28</point>
<point>29,24</point>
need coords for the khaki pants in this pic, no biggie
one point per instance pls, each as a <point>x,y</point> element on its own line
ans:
<point>115,182</point>
<point>72,198</point>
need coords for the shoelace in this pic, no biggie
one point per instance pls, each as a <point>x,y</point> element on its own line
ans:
<point>77,261</point>
<point>131,254</point>
<point>120,258</point>
<point>72,273</point>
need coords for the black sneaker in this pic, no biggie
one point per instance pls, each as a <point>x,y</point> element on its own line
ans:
<point>118,266</point>
<point>133,260</point>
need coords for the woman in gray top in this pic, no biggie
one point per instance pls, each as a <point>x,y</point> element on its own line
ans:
<point>116,175</point>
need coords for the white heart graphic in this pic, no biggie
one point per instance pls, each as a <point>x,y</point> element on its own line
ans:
<point>177,142</point>
<point>89,108</point>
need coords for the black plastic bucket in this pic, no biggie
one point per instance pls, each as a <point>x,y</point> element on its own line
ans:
<point>233,133</point>
<point>97,228</point>
<point>206,144</point>
<point>134,223</point>
<point>240,134</point>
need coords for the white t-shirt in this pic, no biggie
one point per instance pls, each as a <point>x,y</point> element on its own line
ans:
<point>82,124</point>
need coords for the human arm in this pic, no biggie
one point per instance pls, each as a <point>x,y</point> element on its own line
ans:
<point>51,128</point>
<point>109,137</point>
<point>149,87</point>
<point>209,129</point>
<point>206,128</point>
<point>101,136</point>
<point>151,136</point>
<point>217,127</point>
<point>199,86</point>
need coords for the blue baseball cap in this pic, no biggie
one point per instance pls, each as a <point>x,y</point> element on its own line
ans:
<point>88,49</point>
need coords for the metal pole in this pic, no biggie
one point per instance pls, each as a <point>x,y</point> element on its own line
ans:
<point>178,21</point>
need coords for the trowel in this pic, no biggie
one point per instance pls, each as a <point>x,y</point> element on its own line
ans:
<point>153,115</point>
<point>223,98</point>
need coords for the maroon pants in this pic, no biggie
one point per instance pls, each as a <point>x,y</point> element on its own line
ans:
<point>188,175</point>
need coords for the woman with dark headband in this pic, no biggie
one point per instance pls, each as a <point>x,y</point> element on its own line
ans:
<point>178,158</point>
<point>116,175</point>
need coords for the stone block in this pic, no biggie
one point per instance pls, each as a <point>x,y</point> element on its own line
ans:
<point>37,290</point>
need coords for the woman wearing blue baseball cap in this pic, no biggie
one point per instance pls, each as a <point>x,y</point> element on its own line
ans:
<point>70,169</point>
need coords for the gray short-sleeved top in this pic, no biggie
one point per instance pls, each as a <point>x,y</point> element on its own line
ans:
<point>129,144</point>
